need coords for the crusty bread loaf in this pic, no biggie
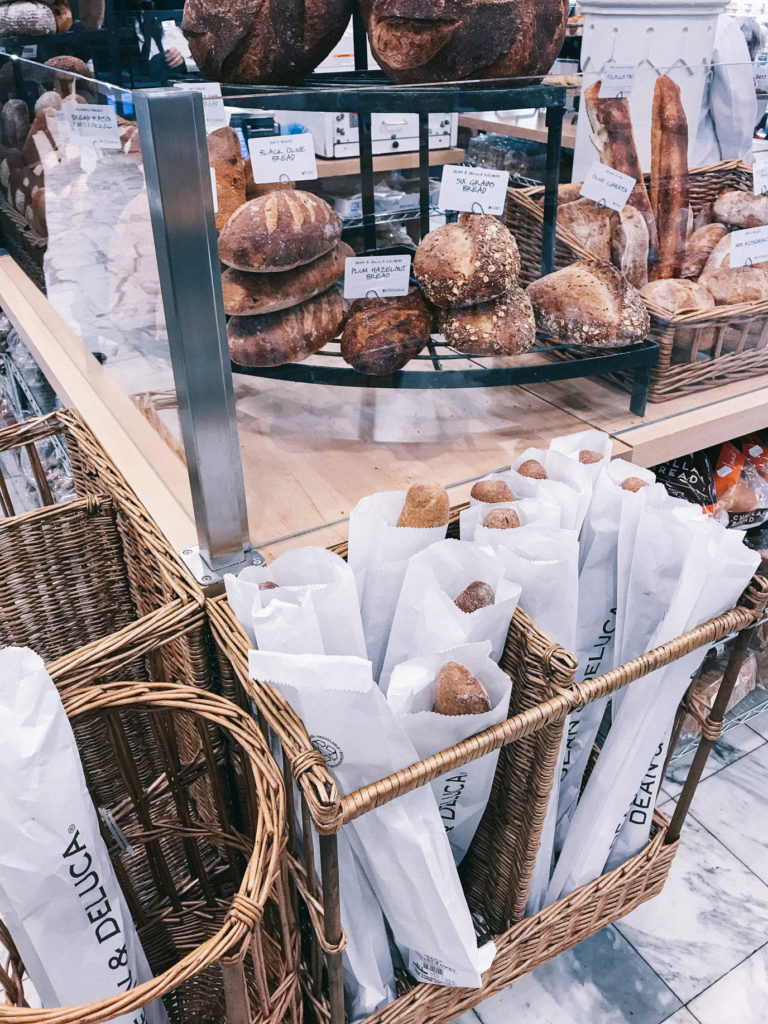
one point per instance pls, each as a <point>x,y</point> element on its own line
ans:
<point>669,176</point>
<point>279,231</point>
<point>720,256</point>
<point>446,40</point>
<point>589,303</point>
<point>48,99</point>
<point>73,65</point>
<point>9,160</point>
<point>426,506</point>
<point>477,595</point>
<point>614,141</point>
<point>592,225</point>
<point>731,285</point>
<point>629,246</point>
<point>382,335</point>
<point>570,192</point>
<point>741,209</point>
<point>14,120</point>
<point>677,296</point>
<point>43,133</point>
<point>473,260</point>
<point>254,294</point>
<point>502,327</point>
<point>253,191</point>
<point>262,41</point>
<point>288,336</point>
<point>24,18</point>
<point>35,213</point>
<point>62,14</point>
<point>491,491</point>
<point>700,246</point>
<point>459,692</point>
<point>226,159</point>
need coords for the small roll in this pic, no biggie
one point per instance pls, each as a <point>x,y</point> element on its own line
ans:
<point>502,519</point>
<point>491,491</point>
<point>588,457</point>
<point>426,506</point>
<point>476,595</point>
<point>633,483</point>
<point>533,469</point>
<point>459,692</point>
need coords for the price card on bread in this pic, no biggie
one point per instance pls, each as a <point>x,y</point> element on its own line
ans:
<point>93,124</point>
<point>214,111</point>
<point>618,81</point>
<point>283,158</point>
<point>473,190</point>
<point>760,177</point>
<point>607,187</point>
<point>749,246</point>
<point>376,276</point>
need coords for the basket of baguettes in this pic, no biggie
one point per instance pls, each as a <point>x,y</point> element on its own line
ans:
<point>672,242</point>
<point>421,693</point>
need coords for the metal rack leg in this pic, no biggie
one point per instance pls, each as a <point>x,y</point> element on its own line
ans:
<point>554,123</point>
<point>640,386</point>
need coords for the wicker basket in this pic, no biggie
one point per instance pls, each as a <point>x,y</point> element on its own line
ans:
<point>24,244</point>
<point>697,350</point>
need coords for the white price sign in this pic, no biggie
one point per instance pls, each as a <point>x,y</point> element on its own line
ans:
<point>749,246</point>
<point>473,189</point>
<point>29,52</point>
<point>382,276</point>
<point>214,111</point>
<point>93,123</point>
<point>618,80</point>
<point>283,157</point>
<point>607,187</point>
<point>760,177</point>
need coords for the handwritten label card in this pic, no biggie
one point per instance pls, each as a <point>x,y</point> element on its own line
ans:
<point>749,246</point>
<point>760,177</point>
<point>214,111</point>
<point>277,157</point>
<point>94,124</point>
<point>475,189</point>
<point>618,80</point>
<point>607,187</point>
<point>386,276</point>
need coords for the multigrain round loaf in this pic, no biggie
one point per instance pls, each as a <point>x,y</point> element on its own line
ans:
<point>226,160</point>
<point>249,294</point>
<point>279,231</point>
<point>382,335</point>
<point>678,296</point>
<point>502,327</point>
<point>288,336</point>
<point>589,303</point>
<point>473,260</point>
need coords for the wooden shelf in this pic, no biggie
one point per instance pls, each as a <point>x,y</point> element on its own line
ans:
<point>387,162</point>
<point>530,127</point>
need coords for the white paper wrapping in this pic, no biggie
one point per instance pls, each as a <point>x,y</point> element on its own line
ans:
<point>532,513</point>
<point>402,846</point>
<point>461,794</point>
<point>58,891</point>
<point>378,556</point>
<point>568,484</point>
<point>426,619</point>
<point>591,440</point>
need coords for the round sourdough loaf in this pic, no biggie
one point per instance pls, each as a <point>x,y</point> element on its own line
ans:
<point>502,327</point>
<point>253,294</point>
<point>279,231</point>
<point>26,19</point>
<point>589,303</point>
<point>678,296</point>
<point>288,336</point>
<point>473,260</point>
<point>382,335</point>
<point>446,40</point>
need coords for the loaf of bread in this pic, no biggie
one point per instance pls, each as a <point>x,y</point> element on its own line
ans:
<point>14,120</point>
<point>91,14</point>
<point>10,159</point>
<point>447,40</point>
<point>24,18</point>
<point>262,41</point>
<point>533,469</point>
<point>741,209</point>
<point>226,161</point>
<point>477,595</point>
<point>72,65</point>
<point>382,335</point>
<point>630,245</point>
<point>48,99</point>
<point>633,483</point>
<point>473,260</point>
<point>491,491</point>
<point>591,224</point>
<point>62,14</point>
<point>502,327</point>
<point>502,519</point>
<point>678,296</point>
<point>254,294</point>
<point>426,506</point>
<point>731,285</point>
<point>614,141</point>
<point>459,692</point>
<point>700,247</point>
<point>669,177</point>
<point>589,303</point>
<point>43,133</point>
<point>288,336</point>
<point>35,213</point>
<point>279,231</point>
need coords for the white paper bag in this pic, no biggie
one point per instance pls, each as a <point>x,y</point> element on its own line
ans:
<point>530,511</point>
<point>461,794</point>
<point>379,551</point>
<point>402,845</point>
<point>58,890</point>
<point>427,620</point>
<point>591,440</point>
<point>568,484</point>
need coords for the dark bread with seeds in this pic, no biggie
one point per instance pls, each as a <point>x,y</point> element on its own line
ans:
<point>502,327</point>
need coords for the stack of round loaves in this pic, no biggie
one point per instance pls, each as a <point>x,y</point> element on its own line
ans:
<point>284,258</point>
<point>469,271</point>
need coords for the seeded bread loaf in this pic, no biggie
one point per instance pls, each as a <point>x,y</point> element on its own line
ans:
<point>23,18</point>
<point>226,160</point>
<point>288,336</point>
<point>502,327</point>
<point>278,232</point>
<point>382,335</point>
<point>253,294</point>
<point>473,260</point>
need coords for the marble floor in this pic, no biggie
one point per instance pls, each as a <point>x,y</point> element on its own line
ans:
<point>696,954</point>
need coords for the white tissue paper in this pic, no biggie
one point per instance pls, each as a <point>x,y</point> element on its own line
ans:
<point>568,484</point>
<point>402,845</point>
<point>591,440</point>
<point>531,512</point>
<point>461,794</point>
<point>379,551</point>
<point>58,890</point>
<point>426,619</point>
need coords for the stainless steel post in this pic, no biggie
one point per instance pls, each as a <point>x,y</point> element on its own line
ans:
<point>175,154</point>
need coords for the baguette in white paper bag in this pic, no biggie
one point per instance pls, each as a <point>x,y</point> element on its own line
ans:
<point>426,618</point>
<point>57,882</point>
<point>379,551</point>
<point>402,845</point>
<point>461,794</point>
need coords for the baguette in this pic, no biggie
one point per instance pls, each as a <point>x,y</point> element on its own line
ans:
<point>669,177</point>
<point>614,141</point>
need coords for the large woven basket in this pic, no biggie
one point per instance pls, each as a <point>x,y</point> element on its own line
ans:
<point>697,351</point>
<point>24,244</point>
